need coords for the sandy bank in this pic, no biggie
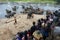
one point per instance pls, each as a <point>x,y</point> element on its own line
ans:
<point>9,29</point>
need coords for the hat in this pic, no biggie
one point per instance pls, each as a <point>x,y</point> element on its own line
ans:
<point>37,34</point>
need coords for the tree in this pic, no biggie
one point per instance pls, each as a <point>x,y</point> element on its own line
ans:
<point>58,1</point>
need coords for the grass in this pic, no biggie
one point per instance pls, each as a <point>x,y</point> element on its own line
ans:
<point>36,1</point>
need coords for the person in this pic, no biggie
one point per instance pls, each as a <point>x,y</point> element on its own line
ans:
<point>25,33</point>
<point>29,35</point>
<point>23,38</point>
<point>45,35</point>
<point>15,21</point>
<point>39,24</point>
<point>47,18</point>
<point>42,20</point>
<point>18,36</point>
<point>43,29</point>
<point>29,32</point>
<point>33,28</point>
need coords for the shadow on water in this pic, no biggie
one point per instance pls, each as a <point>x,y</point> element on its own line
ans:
<point>3,7</point>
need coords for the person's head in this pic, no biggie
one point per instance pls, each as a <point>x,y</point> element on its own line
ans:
<point>34,23</point>
<point>45,21</point>
<point>47,17</point>
<point>29,32</point>
<point>42,19</point>
<point>25,32</point>
<point>18,33</point>
<point>39,22</point>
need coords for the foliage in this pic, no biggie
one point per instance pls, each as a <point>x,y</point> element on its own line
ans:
<point>58,1</point>
<point>48,1</point>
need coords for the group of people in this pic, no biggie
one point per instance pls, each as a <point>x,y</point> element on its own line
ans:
<point>43,29</point>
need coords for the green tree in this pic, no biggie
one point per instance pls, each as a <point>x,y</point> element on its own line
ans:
<point>58,1</point>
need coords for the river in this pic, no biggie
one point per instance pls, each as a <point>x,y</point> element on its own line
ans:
<point>9,6</point>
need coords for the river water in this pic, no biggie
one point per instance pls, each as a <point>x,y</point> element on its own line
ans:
<point>19,7</point>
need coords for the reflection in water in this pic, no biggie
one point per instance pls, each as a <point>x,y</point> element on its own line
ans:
<point>9,5</point>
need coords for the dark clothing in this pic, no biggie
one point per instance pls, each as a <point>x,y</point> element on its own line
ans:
<point>25,33</point>
<point>49,27</point>
<point>19,38</point>
<point>45,34</point>
<point>33,28</point>
<point>38,27</point>
<point>58,23</point>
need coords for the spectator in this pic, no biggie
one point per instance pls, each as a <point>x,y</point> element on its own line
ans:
<point>18,36</point>
<point>25,33</point>
<point>23,38</point>
<point>39,24</point>
<point>33,28</point>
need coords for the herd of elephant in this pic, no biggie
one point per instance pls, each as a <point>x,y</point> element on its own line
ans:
<point>10,13</point>
<point>30,10</point>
